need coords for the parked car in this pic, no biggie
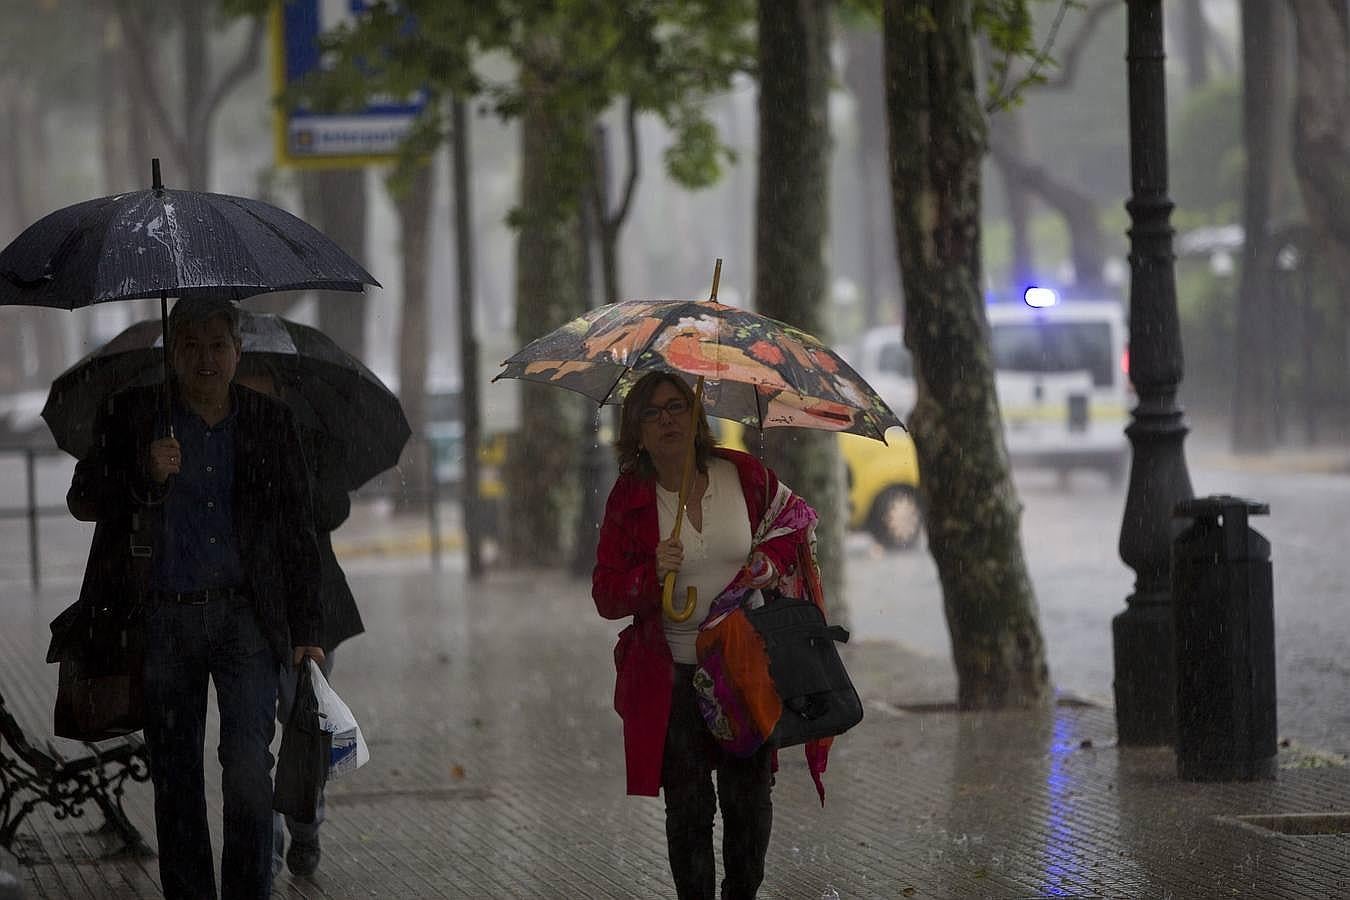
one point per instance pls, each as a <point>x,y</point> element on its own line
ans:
<point>883,483</point>
<point>445,438</point>
<point>1062,376</point>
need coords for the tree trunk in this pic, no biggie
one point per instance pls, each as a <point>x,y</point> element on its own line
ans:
<point>337,207</point>
<point>474,521</point>
<point>1254,412</point>
<point>862,74</point>
<point>414,329</point>
<point>973,514</point>
<point>1008,131</point>
<point>792,219</point>
<point>1194,35</point>
<point>11,159</point>
<point>1322,142</point>
<point>542,458</point>
<point>196,73</point>
<point>1087,246</point>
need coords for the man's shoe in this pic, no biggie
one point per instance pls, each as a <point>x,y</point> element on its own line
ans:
<point>303,857</point>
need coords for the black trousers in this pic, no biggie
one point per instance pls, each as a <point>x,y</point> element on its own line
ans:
<point>691,756</point>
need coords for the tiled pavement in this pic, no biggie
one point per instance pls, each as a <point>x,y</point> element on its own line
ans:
<point>496,772</point>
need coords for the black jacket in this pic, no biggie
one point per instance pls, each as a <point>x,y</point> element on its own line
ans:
<point>326,458</point>
<point>274,522</point>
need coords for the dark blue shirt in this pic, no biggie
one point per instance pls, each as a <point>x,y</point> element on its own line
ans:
<point>200,549</point>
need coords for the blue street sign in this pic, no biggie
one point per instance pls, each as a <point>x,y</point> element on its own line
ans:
<point>330,140</point>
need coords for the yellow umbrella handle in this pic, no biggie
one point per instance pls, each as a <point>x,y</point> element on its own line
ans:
<point>668,588</point>
<point>668,600</point>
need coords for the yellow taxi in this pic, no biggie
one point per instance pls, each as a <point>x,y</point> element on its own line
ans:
<point>883,483</point>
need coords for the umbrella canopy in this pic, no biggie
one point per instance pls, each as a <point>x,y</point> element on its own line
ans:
<point>161,242</point>
<point>329,390</point>
<point>756,370</point>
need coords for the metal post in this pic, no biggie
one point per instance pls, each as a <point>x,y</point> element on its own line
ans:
<point>471,503</point>
<point>34,562</point>
<point>1145,677</point>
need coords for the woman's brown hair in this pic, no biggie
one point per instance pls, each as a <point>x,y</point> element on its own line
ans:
<point>628,446</point>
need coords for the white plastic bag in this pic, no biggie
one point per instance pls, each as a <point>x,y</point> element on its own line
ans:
<point>349,746</point>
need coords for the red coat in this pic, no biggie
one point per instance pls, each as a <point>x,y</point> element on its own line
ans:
<point>624,584</point>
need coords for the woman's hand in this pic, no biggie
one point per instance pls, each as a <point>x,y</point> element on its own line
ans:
<point>669,557</point>
<point>761,571</point>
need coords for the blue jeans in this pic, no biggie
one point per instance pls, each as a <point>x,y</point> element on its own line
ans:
<point>301,832</point>
<point>185,646</point>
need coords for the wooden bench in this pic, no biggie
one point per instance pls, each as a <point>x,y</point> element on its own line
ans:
<point>30,777</point>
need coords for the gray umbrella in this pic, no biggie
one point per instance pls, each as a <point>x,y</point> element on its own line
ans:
<point>329,390</point>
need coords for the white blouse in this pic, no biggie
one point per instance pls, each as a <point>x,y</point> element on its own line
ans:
<point>711,556</point>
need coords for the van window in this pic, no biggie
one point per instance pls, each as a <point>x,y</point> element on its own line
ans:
<point>894,360</point>
<point>1055,347</point>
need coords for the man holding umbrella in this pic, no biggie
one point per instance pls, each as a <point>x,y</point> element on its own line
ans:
<point>204,518</point>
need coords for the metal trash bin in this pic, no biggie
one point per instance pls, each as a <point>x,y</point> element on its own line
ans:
<point>1223,613</point>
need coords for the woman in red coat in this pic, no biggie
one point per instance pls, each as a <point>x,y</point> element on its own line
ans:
<point>666,743</point>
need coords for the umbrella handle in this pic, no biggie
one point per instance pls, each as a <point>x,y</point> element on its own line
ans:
<point>668,600</point>
<point>668,588</point>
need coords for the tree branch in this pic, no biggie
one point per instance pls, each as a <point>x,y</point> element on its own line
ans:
<point>242,68</point>
<point>634,163</point>
<point>1074,50</point>
<point>141,59</point>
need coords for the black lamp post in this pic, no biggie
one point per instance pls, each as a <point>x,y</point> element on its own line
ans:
<point>1145,681</point>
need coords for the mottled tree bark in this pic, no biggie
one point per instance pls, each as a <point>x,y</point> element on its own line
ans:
<point>792,221</point>
<point>542,459</point>
<point>937,134</point>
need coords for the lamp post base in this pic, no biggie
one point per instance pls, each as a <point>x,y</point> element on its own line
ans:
<point>1145,683</point>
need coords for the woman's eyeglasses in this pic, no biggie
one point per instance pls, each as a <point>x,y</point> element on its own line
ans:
<point>673,408</point>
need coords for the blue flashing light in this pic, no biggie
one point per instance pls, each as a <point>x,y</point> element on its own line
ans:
<point>1040,297</point>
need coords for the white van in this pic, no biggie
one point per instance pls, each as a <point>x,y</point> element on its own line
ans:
<point>1061,375</point>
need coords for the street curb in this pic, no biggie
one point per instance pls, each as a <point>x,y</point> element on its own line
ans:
<point>414,544</point>
<point>1330,462</point>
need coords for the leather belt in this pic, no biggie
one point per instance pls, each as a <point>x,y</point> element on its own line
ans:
<point>196,598</point>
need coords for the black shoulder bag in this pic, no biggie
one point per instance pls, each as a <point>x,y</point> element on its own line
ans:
<point>818,697</point>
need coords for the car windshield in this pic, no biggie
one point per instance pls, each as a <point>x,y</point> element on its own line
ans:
<point>1049,347</point>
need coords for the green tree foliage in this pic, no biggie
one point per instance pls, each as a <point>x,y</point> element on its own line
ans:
<point>557,66</point>
<point>665,56</point>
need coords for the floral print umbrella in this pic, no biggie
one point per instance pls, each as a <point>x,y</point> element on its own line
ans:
<point>756,370</point>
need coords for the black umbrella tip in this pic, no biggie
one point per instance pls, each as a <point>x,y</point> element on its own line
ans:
<point>155,183</point>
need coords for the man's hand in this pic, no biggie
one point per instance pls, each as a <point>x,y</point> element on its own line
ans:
<point>299,654</point>
<point>165,459</point>
<point>669,557</point>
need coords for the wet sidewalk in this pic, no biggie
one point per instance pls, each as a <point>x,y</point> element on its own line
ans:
<point>497,772</point>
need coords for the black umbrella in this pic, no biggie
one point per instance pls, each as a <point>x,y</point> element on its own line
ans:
<point>330,391</point>
<point>167,243</point>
